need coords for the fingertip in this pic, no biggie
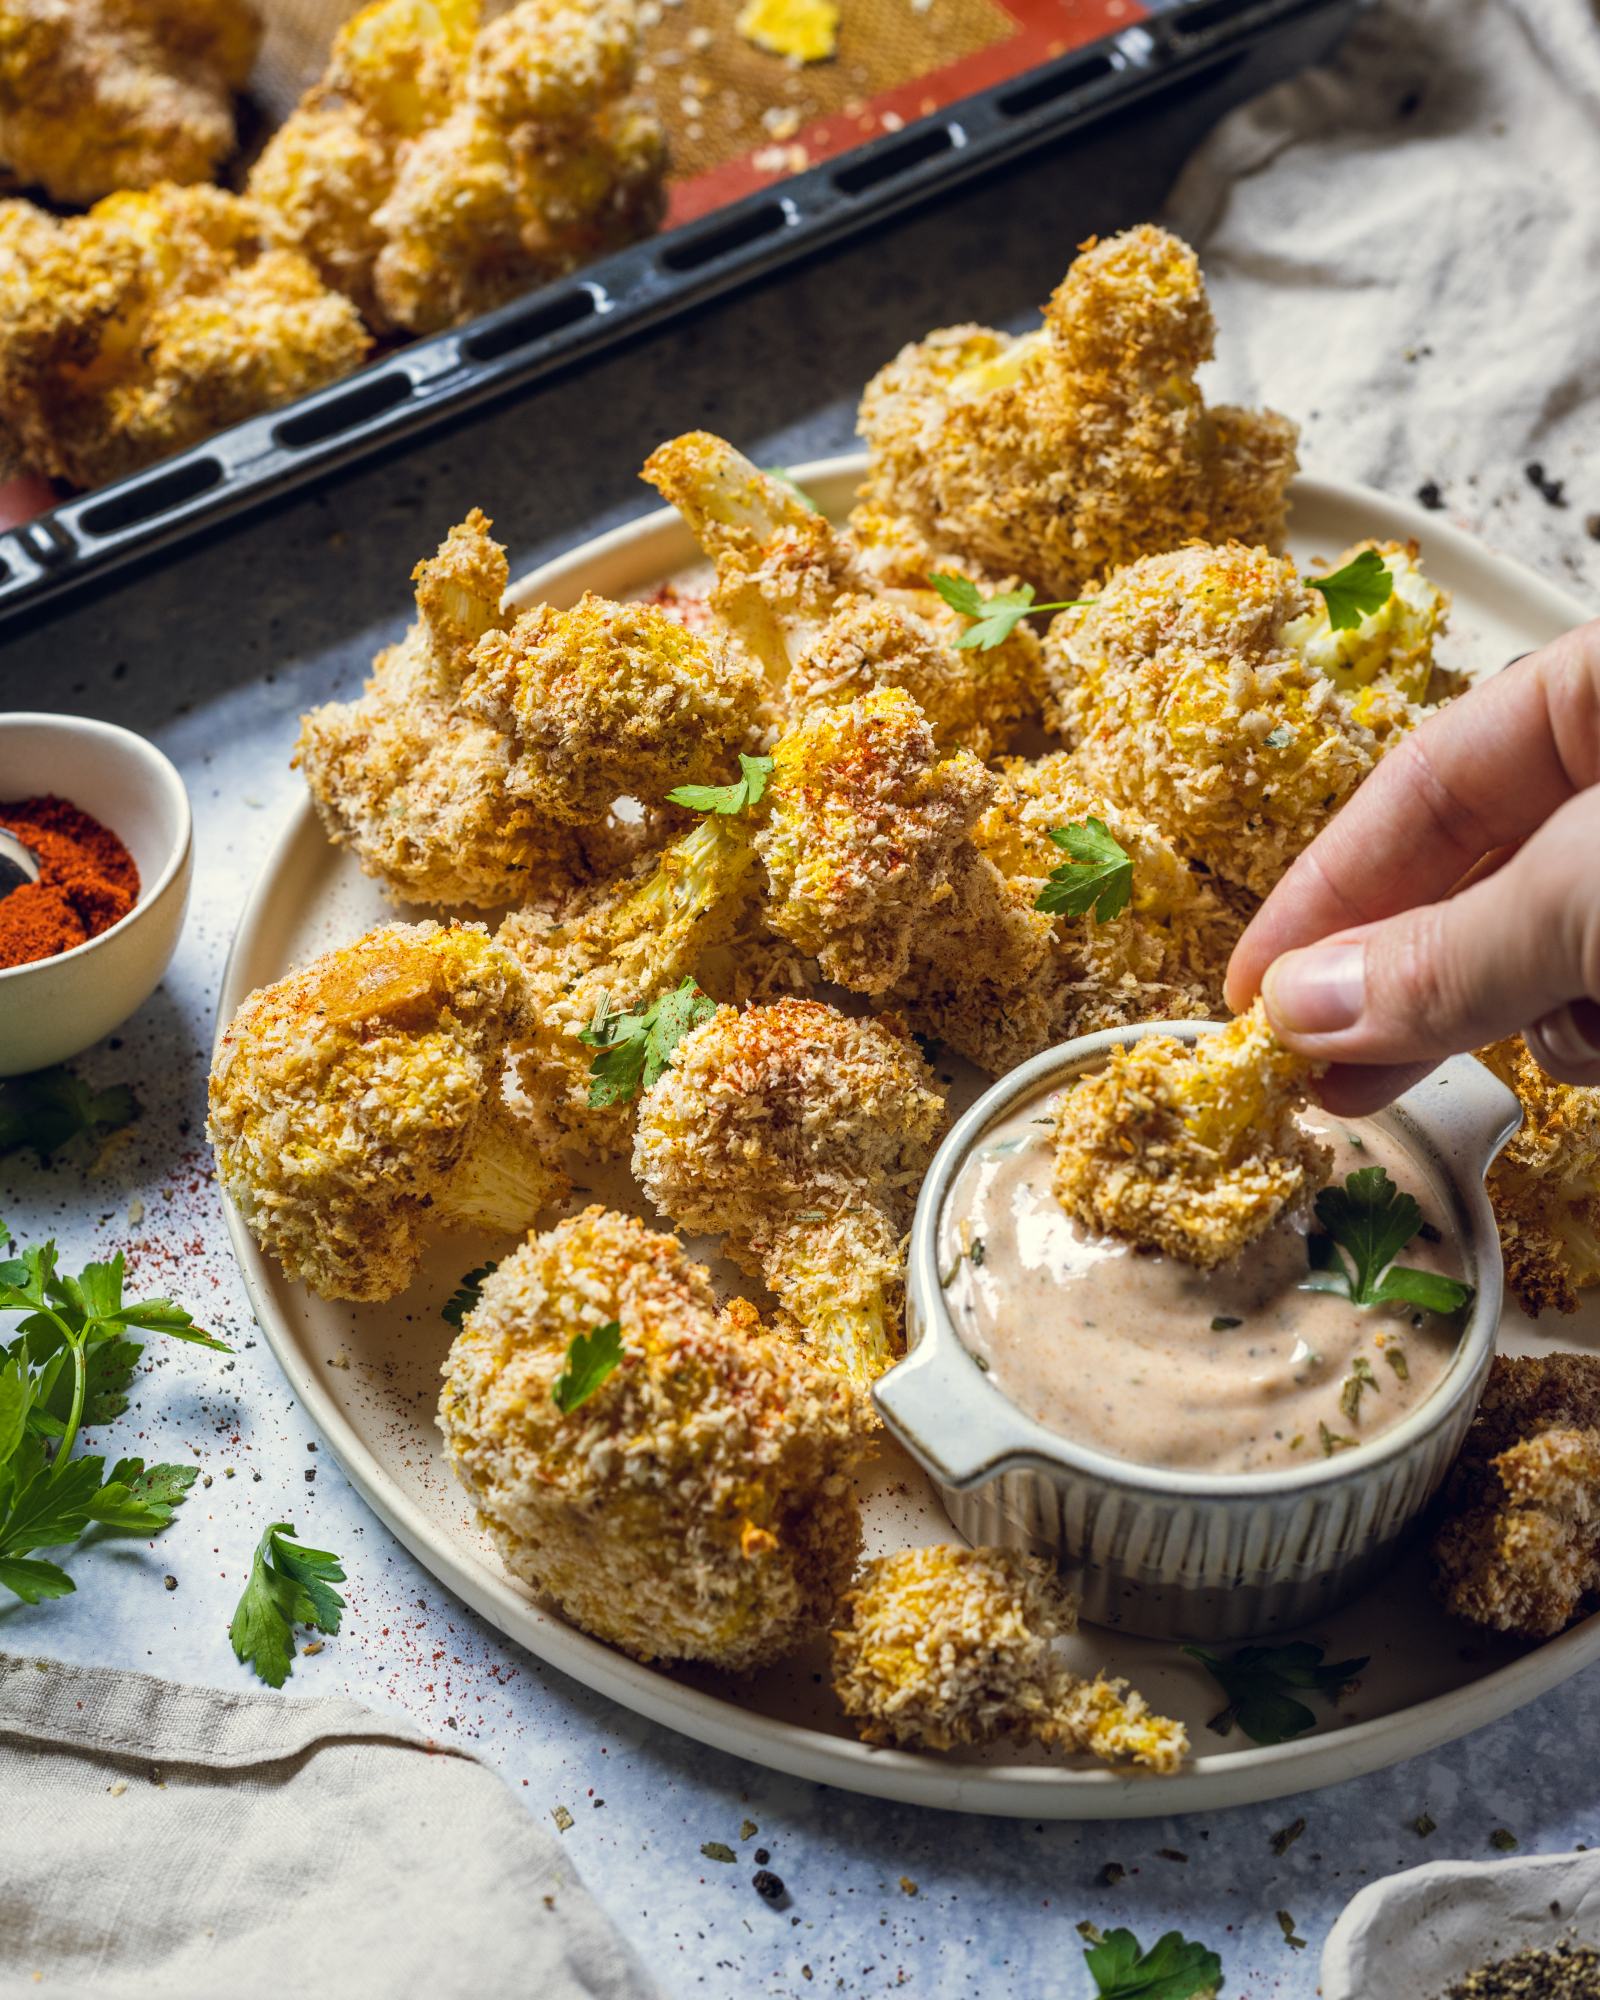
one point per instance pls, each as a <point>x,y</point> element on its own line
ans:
<point>1356,1090</point>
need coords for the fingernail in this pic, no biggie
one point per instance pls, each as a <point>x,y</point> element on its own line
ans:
<point>1316,991</point>
<point>1572,1034</point>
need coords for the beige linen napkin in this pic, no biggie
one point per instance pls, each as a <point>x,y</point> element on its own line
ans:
<point>158,1840</point>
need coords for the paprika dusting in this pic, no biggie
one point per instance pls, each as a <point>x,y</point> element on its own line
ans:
<point>87,880</point>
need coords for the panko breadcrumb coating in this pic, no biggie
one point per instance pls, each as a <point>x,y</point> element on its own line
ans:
<point>1000,980</point>
<point>1192,1149</point>
<point>358,1102</point>
<point>149,323</point>
<point>607,699</point>
<point>1545,1184</point>
<point>443,166</point>
<point>939,1648</point>
<point>698,1505</point>
<point>1519,1550</point>
<point>422,791</point>
<point>800,1136</point>
<point>101,95</point>
<point>1190,691</point>
<point>1059,455</point>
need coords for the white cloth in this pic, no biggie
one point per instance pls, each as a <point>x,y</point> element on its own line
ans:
<point>1434,192</point>
<point>160,1842</point>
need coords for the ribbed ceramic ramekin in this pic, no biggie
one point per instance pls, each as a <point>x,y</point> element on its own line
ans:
<point>1185,1554</point>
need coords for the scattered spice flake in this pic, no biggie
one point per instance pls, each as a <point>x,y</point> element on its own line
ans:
<point>1332,1441</point>
<point>1424,1824</point>
<point>1552,491</point>
<point>117,1787</point>
<point>907,1886</point>
<point>1286,1925</point>
<point>1090,1933</point>
<point>717,1850</point>
<point>1504,1839</point>
<point>769,1887</point>
<point>803,30</point>
<point>1286,1836</point>
<point>1396,1358</point>
<point>748,1829</point>
<point>1171,1854</point>
<point>1112,1873</point>
<point>561,1816</point>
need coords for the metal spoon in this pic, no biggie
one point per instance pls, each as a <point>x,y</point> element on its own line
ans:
<point>18,863</point>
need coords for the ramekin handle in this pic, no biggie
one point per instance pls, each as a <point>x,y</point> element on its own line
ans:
<point>935,1403</point>
<point>1467,1105</point>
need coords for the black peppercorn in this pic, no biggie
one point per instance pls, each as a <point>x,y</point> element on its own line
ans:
<point>768,1887</point>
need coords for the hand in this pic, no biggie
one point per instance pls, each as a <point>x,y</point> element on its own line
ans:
<point>1455,899</point>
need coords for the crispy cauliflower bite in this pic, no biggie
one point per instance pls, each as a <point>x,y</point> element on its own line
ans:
<point>698,1505</point>
<point>799,1135</point>
<point>1194,1150</point>
<point>1185,696</point>
<point>99,95</point>
<point>1545,1184</point>
<point>1000,980</point>
<point>358,1101</point>
<point>939,1648</point>
<point>1061,454</point>
<point>1519,1549</point>
<point>863,822</point>
<point>612,699</point>
<point>153,321</point>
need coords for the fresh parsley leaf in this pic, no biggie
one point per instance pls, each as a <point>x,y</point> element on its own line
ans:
<point>592,1358</point>
<point>139,1500</point>
<point>49,1107</point>
<point>634,1049</point>
<point>727,799</point>
<point>466,1294</point>
<point>33,1582</point>
<point>1174,1968</point>
<point>1353,593</point>
<point>1097,874</point>
<point>1257,1681</point>
<point>289,1585</point>
<point>994,618</point>
<point>1368,1222</point>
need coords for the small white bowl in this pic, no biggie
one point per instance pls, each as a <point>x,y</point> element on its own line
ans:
<point>57,1007</point>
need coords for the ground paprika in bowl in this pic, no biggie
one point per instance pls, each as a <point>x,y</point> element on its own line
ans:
<point>88,880</point>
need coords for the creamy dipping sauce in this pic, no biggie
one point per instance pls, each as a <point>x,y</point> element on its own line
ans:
<point>1150,1359</point>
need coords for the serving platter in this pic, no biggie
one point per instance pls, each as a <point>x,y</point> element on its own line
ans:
<point>368,1375</point>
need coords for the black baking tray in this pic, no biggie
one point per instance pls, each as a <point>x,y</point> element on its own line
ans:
<point>422,386</point>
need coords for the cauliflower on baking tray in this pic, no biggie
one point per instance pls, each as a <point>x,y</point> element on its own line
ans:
<point>608,699</point>
<point>1000,978</point>
<point>1207,689</point>
<point>1194,1149</point>
<point>800,1136</point>
<point>1083,445</point>
<point>1545,1183</point>
<point>938,1648</point>
<point>423,792</point>
<point>356,1103</point>
<point>149,323</point>
<point>1519,1548</point>
<point>100,95</point>
<point>696,1503</point>
<point>442,166</point>
<point>790,585</point>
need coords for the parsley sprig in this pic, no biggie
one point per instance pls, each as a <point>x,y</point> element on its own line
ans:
<point>1096,875</point>
<point>1353,593</point>
<point>727,799</point>
<point>995,616</point>
<point>1367,1223</point>
<point>468,1291</point>
<point>634,1049</point>
<point>1174,1968</point>
<point>289,1585</point>
<point>70,1364</point>
<point>592,1358</point>
<point>50,1107</point>
<point>1257,1681</point>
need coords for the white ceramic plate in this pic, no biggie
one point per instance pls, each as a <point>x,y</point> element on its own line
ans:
<point>368,1376</point>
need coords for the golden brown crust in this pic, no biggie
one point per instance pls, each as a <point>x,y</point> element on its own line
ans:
<point>1545,1184</point>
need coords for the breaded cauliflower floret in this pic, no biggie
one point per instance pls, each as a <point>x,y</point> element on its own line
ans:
<point>943,1647</point>
<point>100,95</point>
<point>1000,980</point>
<point>443,166</point>
<point>358,1102</point>
<point>1545,1184</point>
<point>863,823</point>
<point>422,791</point>
<point>1385,664</point>
<point>1188,693</point>
<point>149,323</point>
<point>800,1137</point>
<point>698,1504</point>
<point>1519,1550</point>
<point>612,699</point>
<point>1083,445</point>
<point>1194,1149</point>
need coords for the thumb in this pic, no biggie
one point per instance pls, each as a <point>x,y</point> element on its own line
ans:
<point>1518,950</point>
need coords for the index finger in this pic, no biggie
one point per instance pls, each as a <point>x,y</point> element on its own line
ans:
<point>1480,775</point>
